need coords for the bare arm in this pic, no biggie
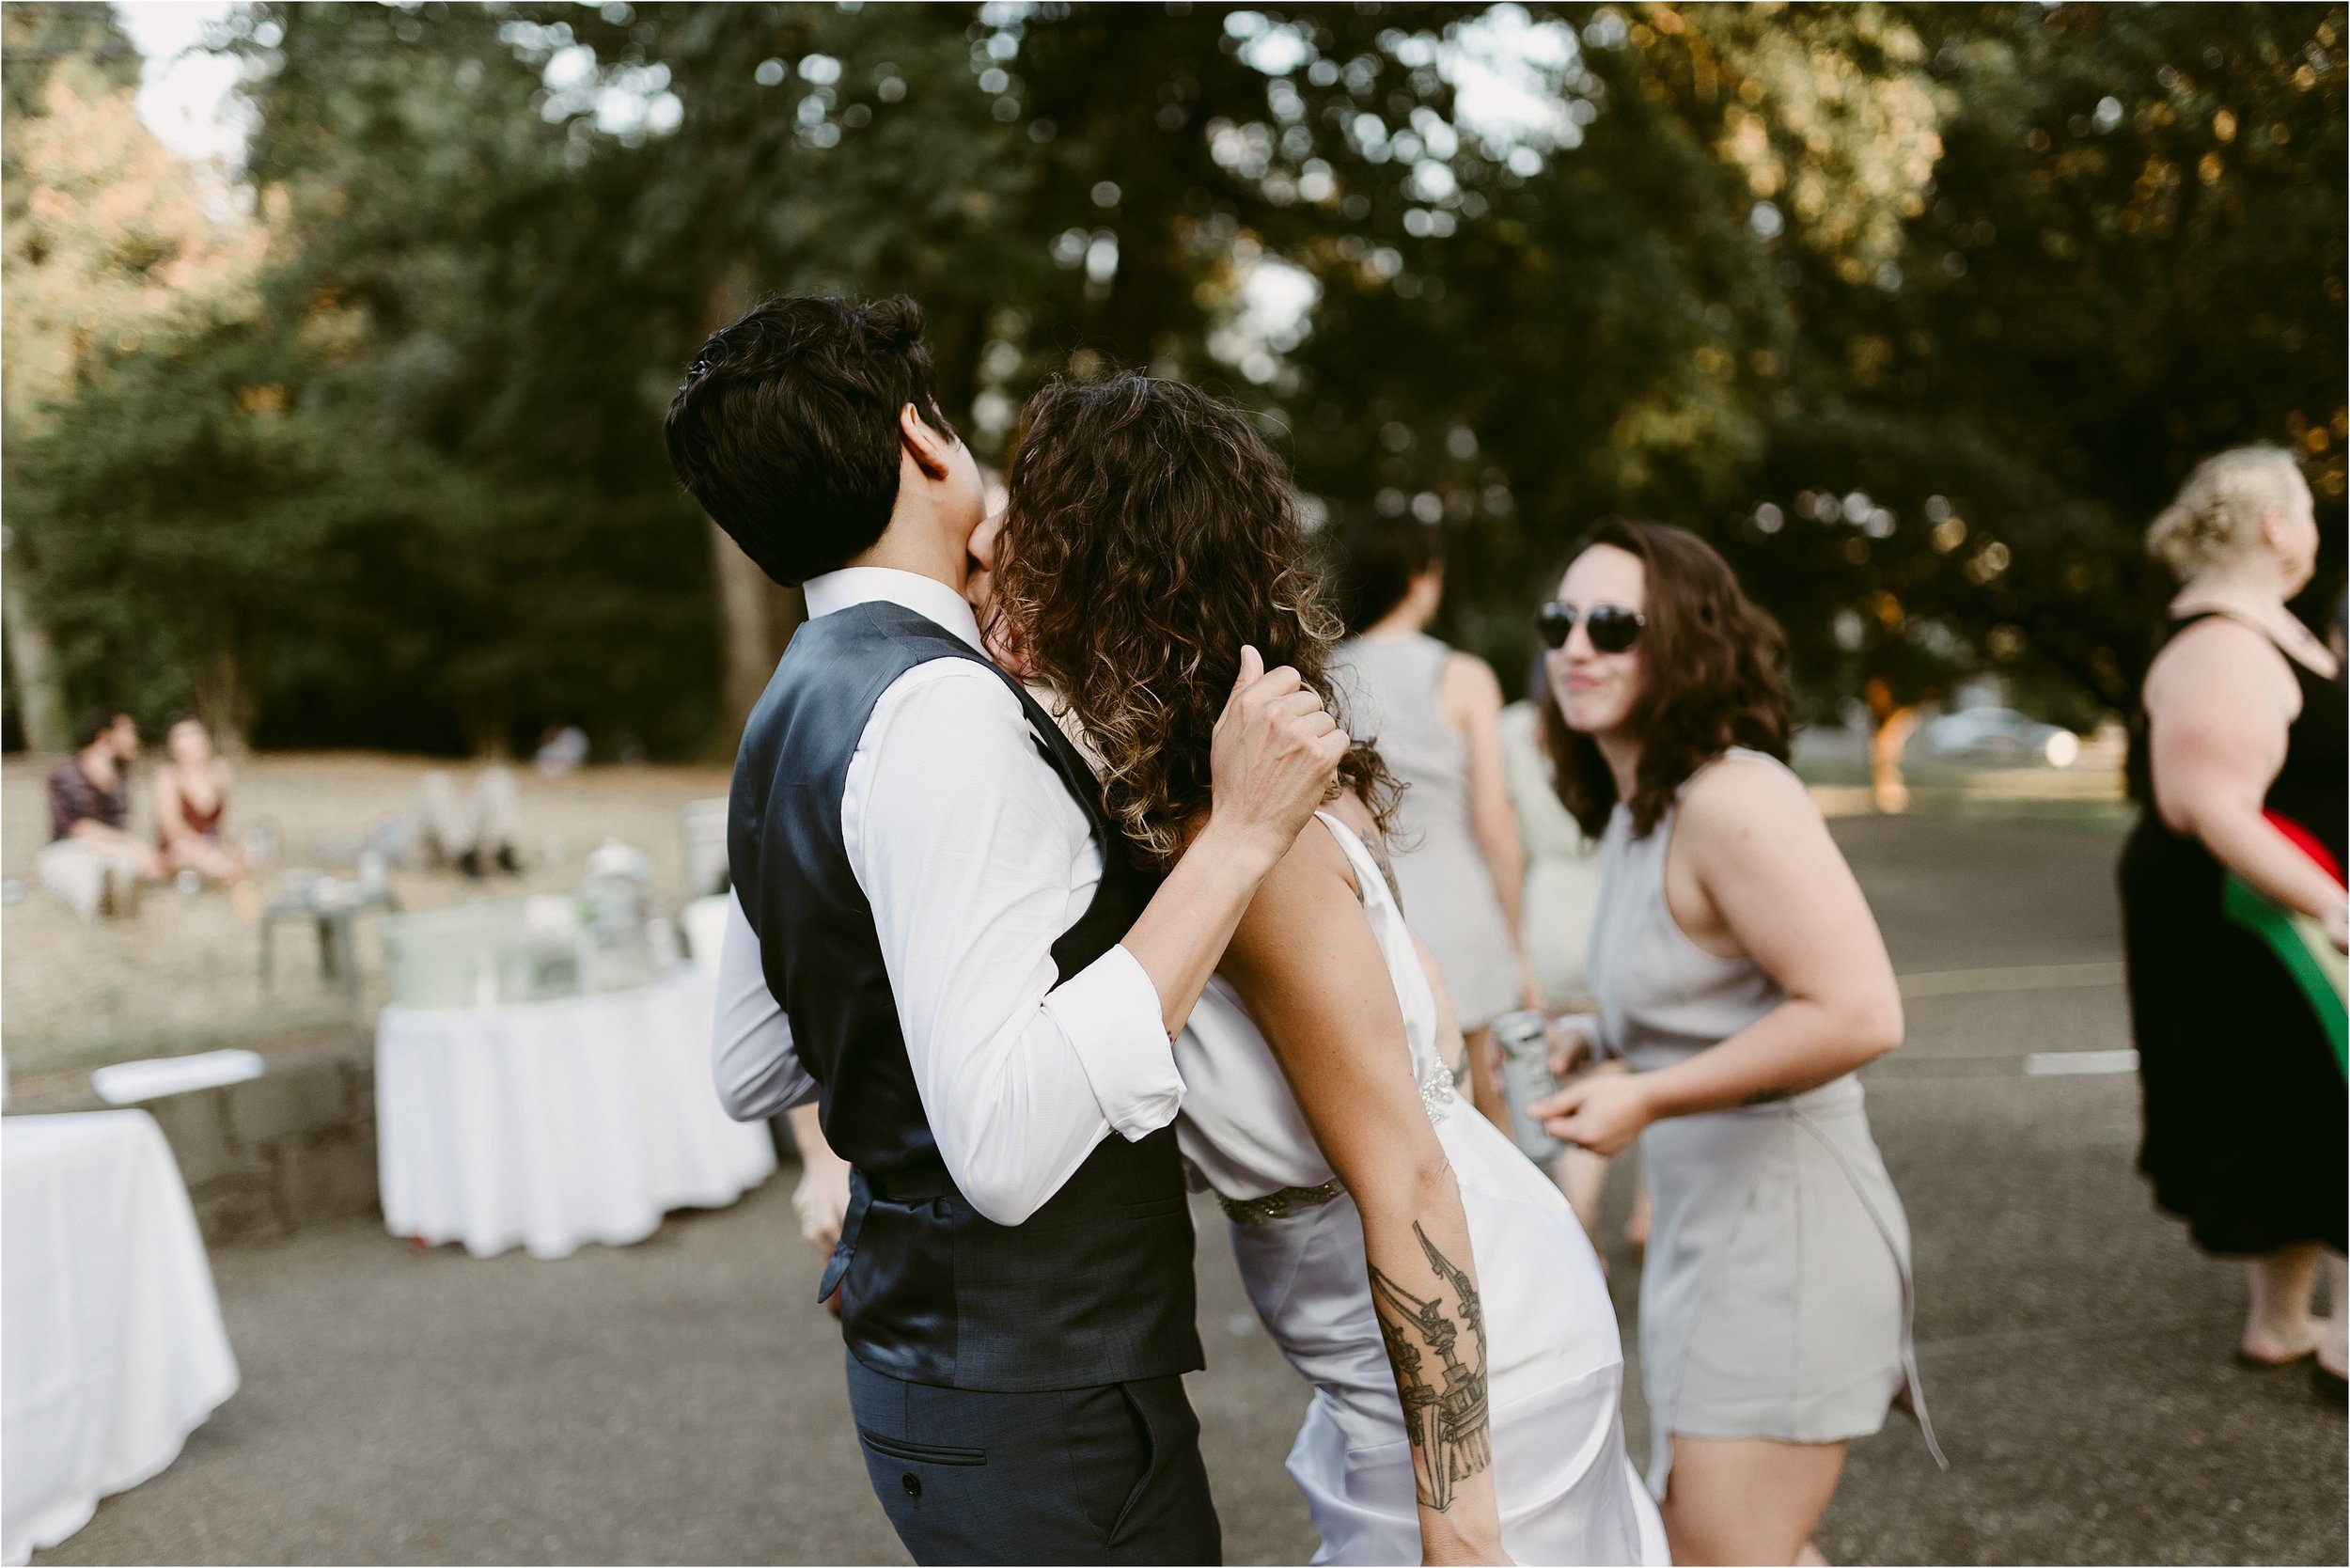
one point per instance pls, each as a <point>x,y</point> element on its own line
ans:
<point>1276,750</point>
<point>821,1199</point>
<point>1472,705</point>
<point>171,817</point>
<point>1771,886</point>
<point>2218,706</point>
<point>1311,975</point>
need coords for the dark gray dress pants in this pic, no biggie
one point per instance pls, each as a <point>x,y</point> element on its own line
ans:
<point>1107,1474</point>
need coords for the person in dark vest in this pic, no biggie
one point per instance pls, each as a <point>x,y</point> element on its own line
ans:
<point>940,938</point>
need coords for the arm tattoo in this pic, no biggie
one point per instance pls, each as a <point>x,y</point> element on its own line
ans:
<point>1765,1096</point>
<point>1447,1425</point>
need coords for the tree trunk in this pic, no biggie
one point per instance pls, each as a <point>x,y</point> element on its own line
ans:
<point>956,335</point>
<point>32,659</point>
<point>40,703</point>
<point>745,622</point>
<point>220,698</point>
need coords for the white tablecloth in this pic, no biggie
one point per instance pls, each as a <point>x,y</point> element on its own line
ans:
<point>550,1124</point>
<point>111,1348</point>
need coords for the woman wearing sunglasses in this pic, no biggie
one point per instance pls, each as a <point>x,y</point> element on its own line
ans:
<point>1740,980</point>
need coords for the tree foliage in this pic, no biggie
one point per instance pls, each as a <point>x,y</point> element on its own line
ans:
<point>1919,311</point>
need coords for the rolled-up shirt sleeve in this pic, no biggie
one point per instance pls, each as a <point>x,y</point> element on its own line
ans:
<point>975,860</point>
<point>1101,1011</point>
<point>752,1058</point>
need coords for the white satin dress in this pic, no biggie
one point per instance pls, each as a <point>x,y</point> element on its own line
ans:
<point>1555,1367</point>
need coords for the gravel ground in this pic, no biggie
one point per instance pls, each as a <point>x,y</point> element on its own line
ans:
<point>182,974</point>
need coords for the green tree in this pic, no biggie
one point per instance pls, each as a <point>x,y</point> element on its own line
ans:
<point>111,247</point>
<point>1918,311</point>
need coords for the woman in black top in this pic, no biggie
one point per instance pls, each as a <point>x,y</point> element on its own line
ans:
<point>2239,764</point>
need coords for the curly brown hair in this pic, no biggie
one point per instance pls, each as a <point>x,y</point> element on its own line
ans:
<point>1713,676</point>
<point>1149,534</point>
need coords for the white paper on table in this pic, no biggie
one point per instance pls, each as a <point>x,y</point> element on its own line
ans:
<point>126,1082</point>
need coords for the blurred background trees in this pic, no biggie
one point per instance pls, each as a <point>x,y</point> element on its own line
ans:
<point>1919,311</point>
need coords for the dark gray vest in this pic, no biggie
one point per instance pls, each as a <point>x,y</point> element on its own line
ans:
<point>1096,1286</point>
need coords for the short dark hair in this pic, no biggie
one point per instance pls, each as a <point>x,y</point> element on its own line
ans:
<point>786,427</point>
<point>1377,559</point>
<point>93,723</point>
<point>1715,669</point>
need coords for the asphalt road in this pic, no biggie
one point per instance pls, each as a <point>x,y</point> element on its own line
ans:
<point>681,1401</point>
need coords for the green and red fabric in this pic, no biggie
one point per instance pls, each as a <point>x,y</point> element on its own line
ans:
<point>2320,972</point>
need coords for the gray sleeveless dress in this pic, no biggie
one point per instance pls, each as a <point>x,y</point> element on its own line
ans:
<point>1775,1300</point>
<point>1387,689</point>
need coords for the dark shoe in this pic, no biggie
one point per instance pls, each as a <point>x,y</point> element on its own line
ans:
<point>470,863</point>
<point>507,861</point>
<point>2331,1385</point>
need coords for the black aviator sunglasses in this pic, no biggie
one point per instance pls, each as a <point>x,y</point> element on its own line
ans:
<point>1613,628</point>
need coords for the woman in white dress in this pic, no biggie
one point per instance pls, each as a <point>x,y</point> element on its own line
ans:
<point>1429,1284</point>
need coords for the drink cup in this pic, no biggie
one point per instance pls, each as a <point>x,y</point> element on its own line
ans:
<point>1525,1041</point>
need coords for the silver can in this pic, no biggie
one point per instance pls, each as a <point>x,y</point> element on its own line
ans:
<point>1526,1077</point>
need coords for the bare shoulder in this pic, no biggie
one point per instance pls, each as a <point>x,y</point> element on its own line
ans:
<point>1747,800</point>
<point>1469,682</point>
<point>1288,927</point>
<point>2219,652</point>
<point>1314,865</point>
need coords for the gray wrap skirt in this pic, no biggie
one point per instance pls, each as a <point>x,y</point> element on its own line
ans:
<point>1775,1300</point>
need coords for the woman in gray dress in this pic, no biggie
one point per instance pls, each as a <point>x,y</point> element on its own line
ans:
<point>1740,980</point>
<point>1435,716</point>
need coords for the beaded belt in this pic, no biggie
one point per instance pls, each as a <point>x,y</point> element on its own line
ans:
<point>1279,1205</point>
<point>1435,1093</point>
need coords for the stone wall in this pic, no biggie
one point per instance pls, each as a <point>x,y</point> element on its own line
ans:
<point>291,1148</point>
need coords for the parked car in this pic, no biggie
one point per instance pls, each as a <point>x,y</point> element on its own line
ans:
<point>2000,735</point>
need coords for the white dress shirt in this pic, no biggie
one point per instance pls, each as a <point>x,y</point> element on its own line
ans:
<point>975,860</point>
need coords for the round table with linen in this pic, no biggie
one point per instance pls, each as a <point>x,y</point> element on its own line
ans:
<point>114,1350</point>
<point>548,1125</point>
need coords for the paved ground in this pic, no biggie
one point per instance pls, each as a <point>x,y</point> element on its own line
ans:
<point>680,1401</point>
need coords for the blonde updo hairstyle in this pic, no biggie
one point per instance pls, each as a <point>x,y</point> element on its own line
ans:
<point>2218,514</point>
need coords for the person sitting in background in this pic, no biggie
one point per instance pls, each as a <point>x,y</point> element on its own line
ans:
<point>562,750</point>
<point>191,811</point>
<point>473,828</point>
<point>92,863</point>
<point>1434,716</point>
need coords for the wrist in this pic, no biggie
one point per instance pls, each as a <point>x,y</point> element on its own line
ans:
<point>1651,1095</point>
<point>1250,848</point>
<point>1445,1541</point>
